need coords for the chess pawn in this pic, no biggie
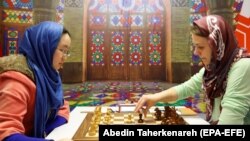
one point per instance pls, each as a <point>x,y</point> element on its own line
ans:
<point>140,120</point>
<point>126,101</point>
<point>106,119</point>
<point>129,118</point>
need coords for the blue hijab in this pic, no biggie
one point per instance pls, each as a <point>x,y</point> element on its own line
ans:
<point>38,45</point>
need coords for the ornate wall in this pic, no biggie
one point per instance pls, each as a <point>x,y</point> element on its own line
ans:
<point>17,16</point>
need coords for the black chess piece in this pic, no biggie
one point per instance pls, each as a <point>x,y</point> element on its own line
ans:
<point>140,120</point>
<point>158,114</point>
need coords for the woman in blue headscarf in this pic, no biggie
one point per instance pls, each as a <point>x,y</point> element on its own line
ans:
<point>31,95</point>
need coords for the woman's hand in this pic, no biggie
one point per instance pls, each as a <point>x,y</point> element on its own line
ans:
<point>145,102</point>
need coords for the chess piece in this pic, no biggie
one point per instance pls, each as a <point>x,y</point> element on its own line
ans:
<point>109,111</point>
<point>96,119</point>
<point>164,121</point>
<point>167,111</point>
<point>98,109</point>
<point>140,120</point>
<point>171,117</point>
<point>106,120</point>
<point>93,130</point>
<point>157,114</point>
<point>126,101</point>
<point>129,118</point>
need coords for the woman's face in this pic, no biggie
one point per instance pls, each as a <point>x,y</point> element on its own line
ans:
<point>202,49</point>
<point>62,52</point>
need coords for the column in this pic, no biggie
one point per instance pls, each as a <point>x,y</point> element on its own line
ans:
<point>222,8</point>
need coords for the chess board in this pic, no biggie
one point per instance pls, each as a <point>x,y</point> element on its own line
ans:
<point>84,133</point>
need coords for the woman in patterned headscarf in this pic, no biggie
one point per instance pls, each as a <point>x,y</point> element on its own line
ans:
<point>223,79</point>
<point>31,95</point>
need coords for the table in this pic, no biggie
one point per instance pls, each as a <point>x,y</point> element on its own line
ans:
<point>78,114</point>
